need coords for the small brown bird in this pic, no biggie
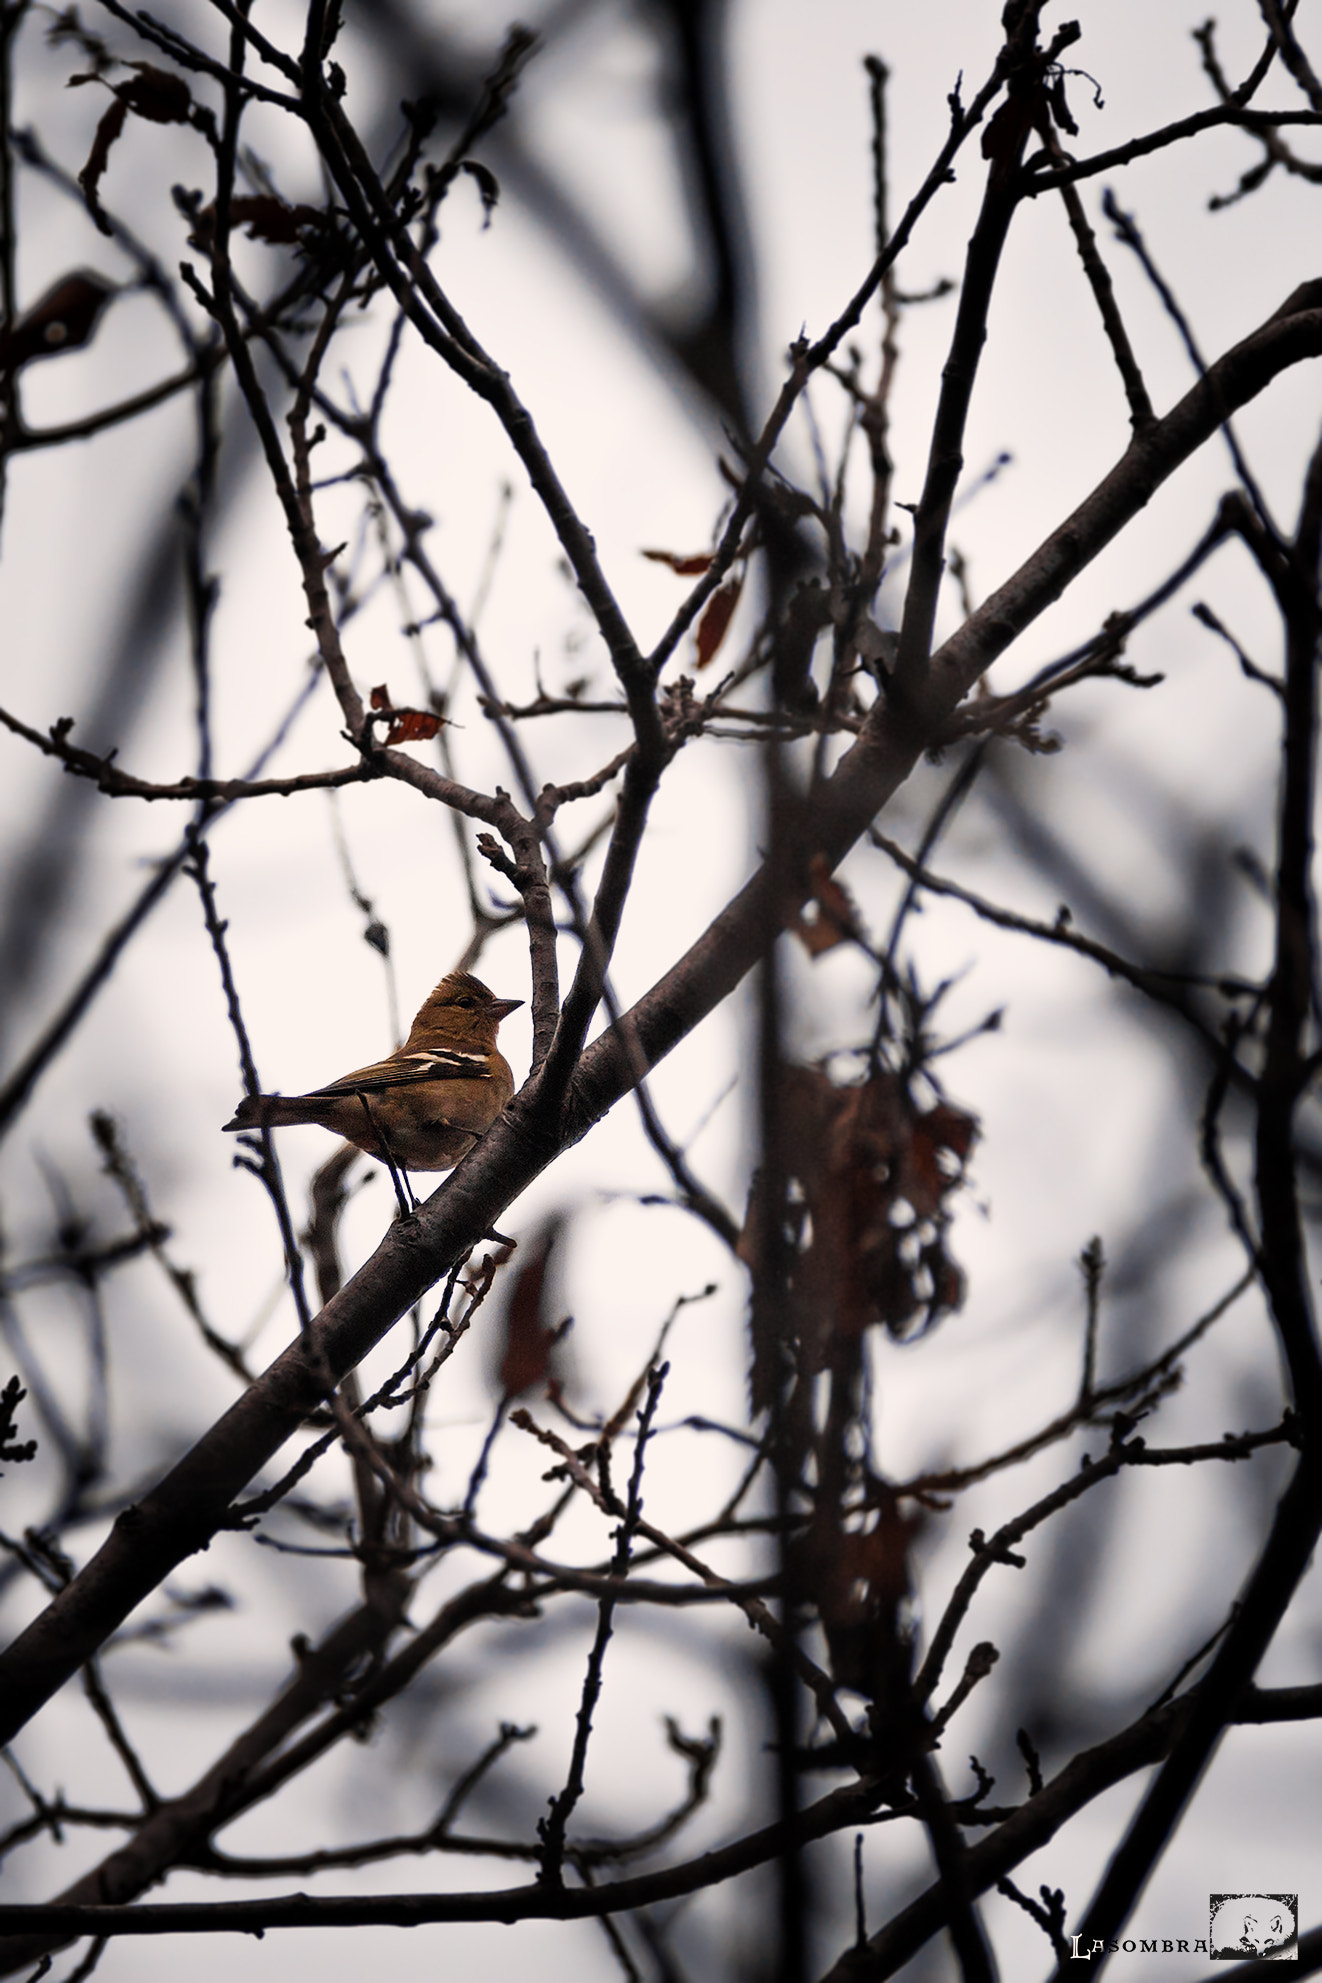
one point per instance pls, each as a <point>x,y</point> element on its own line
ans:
<point>426,1104</point>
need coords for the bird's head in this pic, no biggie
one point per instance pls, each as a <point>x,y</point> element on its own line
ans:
<point>461,1013</point>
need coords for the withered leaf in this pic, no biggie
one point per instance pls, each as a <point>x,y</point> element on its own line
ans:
<point>488,187</point>
<point>859,1578</point>
<point>1005,135</point>
<point>872,1166</point>
<point>265,218</point>
<point>152,93</point>
<point>836,919</point>
<point>155,94</point>
<point>112,123</point>
<point>61,320</point>
<point>686,567</point>
<point>413,726</point>
<point>1060,109</point>
<point>526,1356</point>
<point>819,935</point>
<point>269,219</point>
<point>951,1129</point>
<point>407,726</point>
<point>715,621</point>
<point>941,1131</point>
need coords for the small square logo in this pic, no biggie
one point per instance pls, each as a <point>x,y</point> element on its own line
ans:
<point>1261,1924</point>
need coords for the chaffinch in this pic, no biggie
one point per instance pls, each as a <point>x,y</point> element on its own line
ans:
<point>424,1106</point>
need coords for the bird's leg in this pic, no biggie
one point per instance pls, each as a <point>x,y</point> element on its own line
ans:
<point>399,1177</point>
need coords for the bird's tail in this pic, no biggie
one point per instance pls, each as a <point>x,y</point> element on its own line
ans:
<point>270,1112</point>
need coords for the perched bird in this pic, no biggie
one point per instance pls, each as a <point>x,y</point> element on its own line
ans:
<point>426,1104</point>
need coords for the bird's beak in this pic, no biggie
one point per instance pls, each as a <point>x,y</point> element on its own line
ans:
<point>501,1006</point>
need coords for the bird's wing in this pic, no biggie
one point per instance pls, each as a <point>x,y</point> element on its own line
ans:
<point>403,1070</point>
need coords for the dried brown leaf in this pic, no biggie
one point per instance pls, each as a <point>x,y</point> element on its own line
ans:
<point>686,567</point>
<point>862,1155</point>
<point>715,622</point>
<point>152,93</point>
<point>269,219</point>
<point>112,123</point>
<point>61,320</point>
<point>407,726</point>
<point>156,94</point>
<point>488,187</point>
<point>526,1355</point>
<point>836,919</point>
<point>413,726</point>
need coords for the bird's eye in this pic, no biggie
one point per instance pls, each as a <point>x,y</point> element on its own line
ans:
<point>468,1003</point>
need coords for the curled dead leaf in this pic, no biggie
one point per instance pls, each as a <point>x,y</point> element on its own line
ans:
<point>61,320</point>
<point>716,618</point>
<point>152,93</point>
<point>686,567</point>
<point>836,920</point>
<point>529,1340</point>
<point>156,94</point>
<point>874,1174</point>
<point>406,726</point>
<point>488,187</point>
